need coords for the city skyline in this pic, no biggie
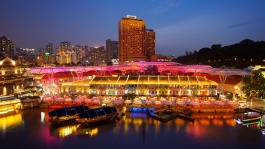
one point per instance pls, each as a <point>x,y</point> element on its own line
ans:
<point>180,25</point>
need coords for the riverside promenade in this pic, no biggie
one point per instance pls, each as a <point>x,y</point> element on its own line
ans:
<point>202,107</point>
<point>213,108</point>
<point>258,104</point>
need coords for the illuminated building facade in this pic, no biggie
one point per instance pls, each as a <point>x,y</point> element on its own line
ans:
<point>8,67</point>
<point>131,32</point>
<point>164,69</point>
<point>143,85</point>
<point>64,53</point>
<point>6,46</point>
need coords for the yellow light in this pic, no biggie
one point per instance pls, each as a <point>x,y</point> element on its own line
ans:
<point>93,132</point>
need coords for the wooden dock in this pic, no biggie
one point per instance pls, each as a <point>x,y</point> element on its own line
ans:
<point>166,115</point>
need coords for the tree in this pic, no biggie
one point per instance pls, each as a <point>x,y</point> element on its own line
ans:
<point>254,83</point>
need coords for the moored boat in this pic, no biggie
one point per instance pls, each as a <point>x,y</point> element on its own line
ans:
<point>249,117</point>
<point>101,114</point>
<point>263,122</point>
<point>66,115</point>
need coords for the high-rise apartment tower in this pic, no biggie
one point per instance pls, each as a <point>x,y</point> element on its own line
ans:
<point>149,43</point>
<point>111,50</point>
<point>6,46</point>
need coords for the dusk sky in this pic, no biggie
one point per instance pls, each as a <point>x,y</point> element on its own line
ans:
<point>180,25</point>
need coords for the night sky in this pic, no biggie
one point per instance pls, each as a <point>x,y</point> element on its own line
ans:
<point>180,25</point>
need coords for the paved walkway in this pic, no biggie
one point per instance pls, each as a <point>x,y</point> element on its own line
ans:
<point>258,104</point>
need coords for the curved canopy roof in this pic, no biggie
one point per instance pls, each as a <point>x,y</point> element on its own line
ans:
<point>142,66</point>
<point>142,79</point>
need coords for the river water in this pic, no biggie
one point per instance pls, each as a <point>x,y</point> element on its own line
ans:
<point>30,128</point>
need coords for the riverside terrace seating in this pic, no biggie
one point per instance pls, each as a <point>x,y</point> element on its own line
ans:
<point>180,102</point>
<point>68,100</point>
<point>128,101</point>
<point>106,101</point>
<point>149,103</point>
<point>96,101</point>
<point>162,100</point>
<point>137,101</point>
<point>88,101</point>
<point>118,102</point>
<point>59,100</point>
<point>194,103</point>
<point>158,104</point>
<point>205,103</point>
<point>47,99</point>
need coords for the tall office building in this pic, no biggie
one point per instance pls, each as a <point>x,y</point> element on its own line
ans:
<point>111,50</point>
<point>97,56</point>
<point>64,47</point>
<point>64,53</point>
<point>6,46</point>
<point>149,43</point>
<point>136,43</point>
<point>25,52</point>
<point>49,48</point>
<point>131,39</point>
<point>79,54</point>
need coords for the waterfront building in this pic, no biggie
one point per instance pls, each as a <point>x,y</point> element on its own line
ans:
<point>10,76</point>
<point>143,85</point>
<point>111,50</point>
<point>8,67</point>
<point>6,46</point>
<point>228,80</point>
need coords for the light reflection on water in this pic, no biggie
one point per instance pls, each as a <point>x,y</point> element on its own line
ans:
<point>136,129</point>
<point>10,121</point>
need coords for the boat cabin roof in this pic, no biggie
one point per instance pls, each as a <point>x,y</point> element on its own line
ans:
<point>68,111</point>
<point>91,113</point>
